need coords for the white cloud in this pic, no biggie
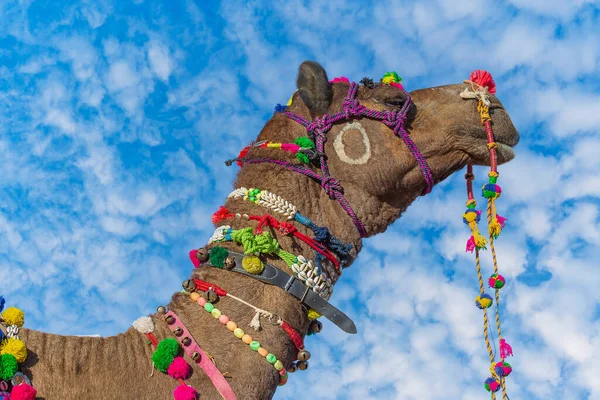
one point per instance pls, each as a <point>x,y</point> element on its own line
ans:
<point>161,61</point>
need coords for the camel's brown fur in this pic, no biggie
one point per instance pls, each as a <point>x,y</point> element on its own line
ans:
<point>448,132</point>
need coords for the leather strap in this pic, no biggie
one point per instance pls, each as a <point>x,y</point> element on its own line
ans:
<point>204,362</point>
<point>292,285</point>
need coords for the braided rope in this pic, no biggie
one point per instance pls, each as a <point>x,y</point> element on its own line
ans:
<point>485,317</point>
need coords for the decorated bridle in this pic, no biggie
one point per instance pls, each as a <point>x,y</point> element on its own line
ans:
<point>317,131</point>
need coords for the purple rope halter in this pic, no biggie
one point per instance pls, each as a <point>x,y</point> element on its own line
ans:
<point>318,128</point>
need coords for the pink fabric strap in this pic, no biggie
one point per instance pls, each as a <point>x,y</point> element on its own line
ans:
<point>204,362</point>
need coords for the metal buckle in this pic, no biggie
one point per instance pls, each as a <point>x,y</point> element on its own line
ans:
<point>290,283</point>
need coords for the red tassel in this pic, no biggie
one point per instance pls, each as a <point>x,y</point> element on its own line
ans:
<point>505,349</point>
<point>483,78</point>
<point>243,154</point>
<point>471,244</point>
<point>501,220</point>
<point>220,215</point>
<point>194,259</point>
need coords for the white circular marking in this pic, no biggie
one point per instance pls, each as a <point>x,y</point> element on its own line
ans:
<point>339,147</point>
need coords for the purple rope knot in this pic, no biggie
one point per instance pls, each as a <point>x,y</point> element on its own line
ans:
<point>393,118</point>
<point>331,186</point>
<point>319,125</point>
<point>352,107</point>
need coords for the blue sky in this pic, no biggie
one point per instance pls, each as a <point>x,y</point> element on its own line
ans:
<point>116,117</point>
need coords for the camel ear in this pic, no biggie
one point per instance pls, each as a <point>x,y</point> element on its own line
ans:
<point>313,87</point>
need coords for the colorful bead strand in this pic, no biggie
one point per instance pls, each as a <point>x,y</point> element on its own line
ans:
<point>244,337</point>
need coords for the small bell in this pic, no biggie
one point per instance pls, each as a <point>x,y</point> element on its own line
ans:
<point>211,296</point>
<point>189,285</point>
<point>186,341</point>
<point>292,369</point>
<point>178,331</point>
<point>316,326</point>
<point>170,320</point>
<point>230,263</point>
<point>202,254</point>
<point>161,309</point>
<point>302,365</point>
<point>303,355</point>
<point>196,356</point>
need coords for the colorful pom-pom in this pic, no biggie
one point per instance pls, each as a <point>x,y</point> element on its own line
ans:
<point>23,392</point>
<point>471,215</point>
<point>1,335</point>
<point>502,369</point>
<point>340,79</point>
<point>306,143</point>
<point>390,77</point>
<point>492,384</point>
<point>483,301</point>
<point>496,281</point>
<point>312,314</point>
<point>185,392</point>
<point>8,366</point>
<point>217,256</point>
<point>219,215</point>
<point>15,347</point>
<point>2,302</point>
<point>483,78</point>
<point>165,353</point>
<point>491,191</point>
<point>253,265</point>
<point>179,368</point>
<point>143,325</point>
<point>14,316</point>
<point>279,108</point>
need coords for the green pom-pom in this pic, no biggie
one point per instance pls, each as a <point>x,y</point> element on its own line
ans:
<point>305,142</point>
<point>162,361</point>
<point>302,158</point>
<point>165,352</point>
<point>169,346</point>
<point>391,77</point>
<point>217,256</point>
<point>8,366</point>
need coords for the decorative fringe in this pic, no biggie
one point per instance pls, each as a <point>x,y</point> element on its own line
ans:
<point>505,349</point>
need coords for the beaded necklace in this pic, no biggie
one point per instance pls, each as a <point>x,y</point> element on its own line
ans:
<point>481,83</point>
<point>13,352</point>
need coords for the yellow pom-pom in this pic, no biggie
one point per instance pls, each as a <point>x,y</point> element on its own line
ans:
<point>470,217</point>
<point>312,314</point>
<point>15,347</point>
<point>13,316</point>
<point>253,265</point>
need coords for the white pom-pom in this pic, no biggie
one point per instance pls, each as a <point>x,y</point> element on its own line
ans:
<point>143,325</point>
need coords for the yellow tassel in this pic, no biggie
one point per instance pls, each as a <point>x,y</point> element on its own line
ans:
<point>15,347</point>
<point>494,228</point>
<point>14,316</point>
<point>480,241</point>
<point>289,103</point>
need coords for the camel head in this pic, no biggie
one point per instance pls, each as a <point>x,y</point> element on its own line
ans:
<point>378,173</point>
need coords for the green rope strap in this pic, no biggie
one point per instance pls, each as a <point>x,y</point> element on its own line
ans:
<point>262,243</point>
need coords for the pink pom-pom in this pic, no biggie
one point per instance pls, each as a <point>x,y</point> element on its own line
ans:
<point>23,392</point>
<point>398,85</point>
<point>194,259</point>
<point>185,392</point>
<point>179,368</point>
<point>483,78</point>
<point>471,244</point>
<point>340,79</point>
<point>505,349</point>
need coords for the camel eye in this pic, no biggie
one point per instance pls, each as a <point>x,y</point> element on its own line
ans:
<point>394,102</point>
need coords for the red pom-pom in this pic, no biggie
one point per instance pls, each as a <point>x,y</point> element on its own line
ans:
<point>23,392</point>
<point>243,154</point>
<point>219,215</point>
<point>483,78</point>
<point>398,85</point>
<point>185,392</point>
<point>194,259</point>
<point>179,368</point>
<point>340,79</point>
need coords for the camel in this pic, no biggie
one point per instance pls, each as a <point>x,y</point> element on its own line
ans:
<point>447,131</point>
